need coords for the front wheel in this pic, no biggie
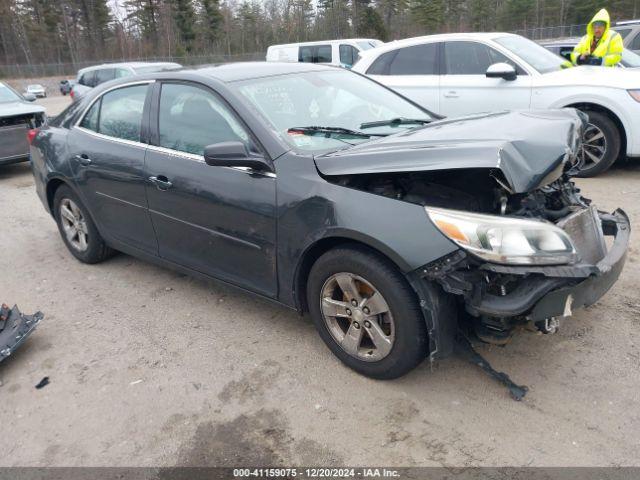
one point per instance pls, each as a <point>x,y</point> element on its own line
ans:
<point>600,145</point>
<point>367,313</point>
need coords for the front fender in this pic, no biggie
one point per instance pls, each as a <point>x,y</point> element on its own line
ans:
<point>312,209</point>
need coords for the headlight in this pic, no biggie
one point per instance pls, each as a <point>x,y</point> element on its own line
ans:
<point>503,239</point>
<point>635,94</point>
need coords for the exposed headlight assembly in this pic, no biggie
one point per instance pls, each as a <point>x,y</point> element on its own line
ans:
<point>505,240</point>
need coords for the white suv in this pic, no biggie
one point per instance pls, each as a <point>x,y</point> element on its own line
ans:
<point>466,73</point>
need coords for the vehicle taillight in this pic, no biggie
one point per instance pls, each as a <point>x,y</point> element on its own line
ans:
<point>31,134</point>
<point>71,93</point>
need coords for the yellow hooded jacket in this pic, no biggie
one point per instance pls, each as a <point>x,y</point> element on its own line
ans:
<point>609,48</point>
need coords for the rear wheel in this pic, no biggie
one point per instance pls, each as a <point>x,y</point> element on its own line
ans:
<point>366,313</point>
<point>600,145</point>
<point>77,229</point>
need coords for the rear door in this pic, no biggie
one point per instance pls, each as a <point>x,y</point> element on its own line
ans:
<point>107,151</point>
<point>465,88</point>
<point>218,221</point>
<point>413,72</point>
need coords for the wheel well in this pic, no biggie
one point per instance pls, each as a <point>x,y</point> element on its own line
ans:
<point>316,251</point>
<point>583,106</point>
<point>52,186</point>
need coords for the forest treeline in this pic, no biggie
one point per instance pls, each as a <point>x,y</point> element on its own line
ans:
<point>50,31</point>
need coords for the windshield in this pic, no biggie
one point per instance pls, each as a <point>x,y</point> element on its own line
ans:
<point>34,87</point>
<point>8,95</point>
<point>630,59</point>
<point>535,55</point>
<point>330,98</point>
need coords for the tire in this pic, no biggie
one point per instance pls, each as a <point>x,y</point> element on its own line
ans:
<point>95,249</point>
<point>608,128</point>
<point>410,343</point>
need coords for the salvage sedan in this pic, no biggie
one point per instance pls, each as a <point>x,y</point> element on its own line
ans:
<point>17,117</point>
<point>329,193</point>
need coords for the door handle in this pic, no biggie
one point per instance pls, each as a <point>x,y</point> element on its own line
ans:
<point>451,94</point>
<point>84,159</point>
<point>161,182</point>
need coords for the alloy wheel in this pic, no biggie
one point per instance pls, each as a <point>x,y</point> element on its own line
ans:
<point>594,147</point>
<point>74,225</point>
<point>357,316</point>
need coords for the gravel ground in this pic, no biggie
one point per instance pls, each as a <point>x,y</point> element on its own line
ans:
<point>149,367</point>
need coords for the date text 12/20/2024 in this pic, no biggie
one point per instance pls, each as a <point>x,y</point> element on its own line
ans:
<point>315,473</point>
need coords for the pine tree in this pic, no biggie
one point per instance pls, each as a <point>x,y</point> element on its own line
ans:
<point>184,18</point>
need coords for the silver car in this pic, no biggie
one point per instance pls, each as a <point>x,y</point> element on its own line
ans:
<point>17,117</point>
<point>91,77</point>
<point>630,32</point>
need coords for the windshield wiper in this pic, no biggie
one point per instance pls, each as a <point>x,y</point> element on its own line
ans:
<point>396,121</point>
<point>330,131</point>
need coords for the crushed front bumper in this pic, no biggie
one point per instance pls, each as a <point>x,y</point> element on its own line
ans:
<point>534,293</point>
<point>564,300</point>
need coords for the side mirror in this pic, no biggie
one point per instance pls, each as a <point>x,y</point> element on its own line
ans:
<point>502,70</point>
<point>234,154</point>
<point>29,97</point>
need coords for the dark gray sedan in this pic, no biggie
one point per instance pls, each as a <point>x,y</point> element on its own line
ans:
<point>322,190</point>
<point>17,117</point>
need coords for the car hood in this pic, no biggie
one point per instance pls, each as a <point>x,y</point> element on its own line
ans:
<point>627,78</point>
<point>10,109</point>
<point>530,148</point>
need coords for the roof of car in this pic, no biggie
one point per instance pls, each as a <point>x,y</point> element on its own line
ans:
<point>133,65</point>
<point>231,72</point>
<point>407,42</point>
<point>560,41</point>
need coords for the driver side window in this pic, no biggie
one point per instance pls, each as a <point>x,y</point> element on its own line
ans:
<point>190,118</point>
<point>472,58</point>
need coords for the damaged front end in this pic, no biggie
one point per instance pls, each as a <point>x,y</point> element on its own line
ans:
<point>501,296</point>
<point>531,247</point>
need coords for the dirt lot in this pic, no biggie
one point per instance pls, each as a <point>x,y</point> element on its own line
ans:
<point>52,84</point>
<point>149,367</point>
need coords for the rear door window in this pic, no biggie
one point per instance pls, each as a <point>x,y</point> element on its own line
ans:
<point>314,54</point>
<point>121,112</point>
<point>323,54</point>
<point>635,45</point>
<point>415,60</point>
<point>305,54</point>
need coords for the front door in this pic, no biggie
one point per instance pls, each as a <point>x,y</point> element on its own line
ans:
<point>107,157</point>
<point>218,221</point>
<point>465,88</point>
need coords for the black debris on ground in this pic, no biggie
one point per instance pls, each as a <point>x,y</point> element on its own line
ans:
<point>15,328</point>
<point>43,383</point>
<point>465,349</point>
